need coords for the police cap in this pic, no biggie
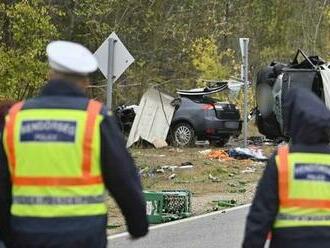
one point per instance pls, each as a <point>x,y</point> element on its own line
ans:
<point>70,57</point>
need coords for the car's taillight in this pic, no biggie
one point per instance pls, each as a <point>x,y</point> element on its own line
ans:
<point>207,106</point>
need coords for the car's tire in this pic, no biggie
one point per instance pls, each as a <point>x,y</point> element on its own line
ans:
<point>183,134</point>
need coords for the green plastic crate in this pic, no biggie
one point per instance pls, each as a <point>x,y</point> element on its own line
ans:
<point>167,205</point>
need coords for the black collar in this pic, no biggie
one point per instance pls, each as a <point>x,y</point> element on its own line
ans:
<point>61,88</point>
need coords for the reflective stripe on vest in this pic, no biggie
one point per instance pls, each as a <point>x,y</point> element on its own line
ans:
<point>304,189</point>
<point>54,161</point>
<point>52,200</point>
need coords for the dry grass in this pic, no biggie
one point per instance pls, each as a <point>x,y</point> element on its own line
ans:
<point>227,181</point>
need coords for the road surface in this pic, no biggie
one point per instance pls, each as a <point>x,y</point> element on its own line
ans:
<point>206,231</point>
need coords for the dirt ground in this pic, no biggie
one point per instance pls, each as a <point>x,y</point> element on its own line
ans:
<point>209,180</point>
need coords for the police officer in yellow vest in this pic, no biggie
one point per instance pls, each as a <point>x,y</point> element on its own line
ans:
<point>60,152</point>
<point>293,196</point>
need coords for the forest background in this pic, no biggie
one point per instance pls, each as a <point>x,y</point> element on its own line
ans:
<point>176,43</point>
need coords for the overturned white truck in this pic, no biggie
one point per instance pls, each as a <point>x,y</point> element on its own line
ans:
<point>273,83</point>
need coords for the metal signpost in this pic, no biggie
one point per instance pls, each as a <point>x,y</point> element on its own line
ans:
<point>113,59</point>
<point>244,43</point>
<point>111,76</point>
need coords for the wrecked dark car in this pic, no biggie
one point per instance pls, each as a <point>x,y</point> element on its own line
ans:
<point>200,117</point>
<point>197,116</point>
<point>275,80</point>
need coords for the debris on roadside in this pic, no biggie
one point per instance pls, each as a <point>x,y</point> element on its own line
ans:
<point>219,154</point>
<point>113,226</point>
<point>186,163</point>
<point>161,170</point>
<point>183,167</point>
<point>175,149</point>
<point>205,152</point>
<point>247,153</point>
<point>260,140</point>
<point>167,205</point>
<point>249,170</point>
<point>214,179</point>
<point>172,176</point>
<point>146,171</point>
<point>203,143</point>
<point>220,204</point>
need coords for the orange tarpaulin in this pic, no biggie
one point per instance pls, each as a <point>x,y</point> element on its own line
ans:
<point>219,154</point>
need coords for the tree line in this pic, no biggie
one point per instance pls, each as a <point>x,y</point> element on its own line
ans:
<point>176,43</point>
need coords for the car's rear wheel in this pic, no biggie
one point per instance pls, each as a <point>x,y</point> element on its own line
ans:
<point>183,134</point>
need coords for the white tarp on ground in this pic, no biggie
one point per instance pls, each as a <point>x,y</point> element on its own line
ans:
<point>153,119</point>
<point>325,74</point>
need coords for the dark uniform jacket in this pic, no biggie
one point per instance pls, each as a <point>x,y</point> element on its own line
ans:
<point>307,121</point>
<point>119,174</point>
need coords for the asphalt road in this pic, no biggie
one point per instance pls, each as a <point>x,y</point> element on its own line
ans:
<point>218,230</point>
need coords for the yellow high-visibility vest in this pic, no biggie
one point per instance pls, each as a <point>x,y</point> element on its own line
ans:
<point>304,189</point>
<point>54,161</point>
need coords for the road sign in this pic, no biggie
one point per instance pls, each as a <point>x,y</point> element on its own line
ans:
<point>113,59</point>
<point>122,58</point>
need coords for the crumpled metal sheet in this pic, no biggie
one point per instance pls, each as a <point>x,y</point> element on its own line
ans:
<point>325,74</point>
<point>153,119</point>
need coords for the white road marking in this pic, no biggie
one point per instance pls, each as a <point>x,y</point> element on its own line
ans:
<point>223,211</point>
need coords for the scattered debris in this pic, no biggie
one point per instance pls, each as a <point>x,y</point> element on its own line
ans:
<point>242,182</point>
<point>223,204</point>
<point>203,143</point>
<point>145,169</point>
<point>113,226</point>
<point>249,170</point>
<point>213,178</point>
<point>175,149</point>
<point>172,176</point>
<point>186,164</point>
<point>205,152</point>
<point>167,205</point>
<point>247,153</point>
<point>161,170</point>
<point>219,154</point>
<point>260,140</point>
<point>186,167</point>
